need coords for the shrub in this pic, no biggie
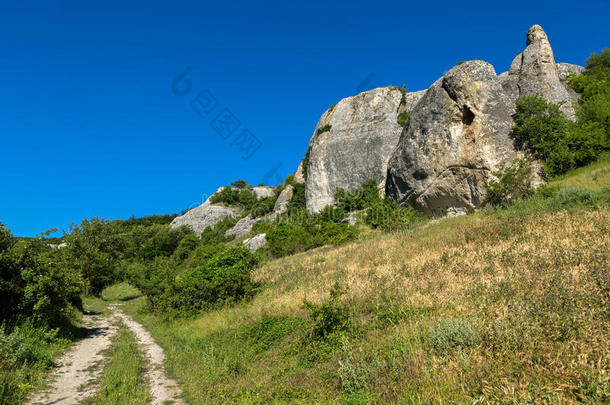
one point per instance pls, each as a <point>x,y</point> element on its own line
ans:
<point>323,129</point>
<point>543,128</point>
<point>513,183</point>
<point>330,316</point>
<point>227,195</point>
<point>288,238</point>
<point>35,284</point>
<point>185,247</point>
<point>240,184</point>
<point>452,333</point>
<point>224,278</point>
<point>403,117</point>
<point>297,202</point>
<point>263,206</point>
<point>388,215</point>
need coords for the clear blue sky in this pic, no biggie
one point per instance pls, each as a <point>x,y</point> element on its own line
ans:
<point>90,126</point>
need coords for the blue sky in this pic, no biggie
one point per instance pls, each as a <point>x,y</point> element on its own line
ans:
<point>90,125</point>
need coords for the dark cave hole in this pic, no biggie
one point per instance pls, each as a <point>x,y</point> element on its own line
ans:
<point>467,116</point>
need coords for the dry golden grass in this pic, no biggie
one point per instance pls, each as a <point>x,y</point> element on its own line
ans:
<point>530,284</point>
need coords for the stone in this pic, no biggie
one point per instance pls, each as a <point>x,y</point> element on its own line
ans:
<point>261,192</point>
<point>534,72</point>
<point>564,69</point>
<point>242,227</point>
<point>352,143</point>
<point>351,218</point>
<point>207,215</point>
<point>457,134</point>
<point>299,176</point>
<point>281,204</point>
<point>256,242</point>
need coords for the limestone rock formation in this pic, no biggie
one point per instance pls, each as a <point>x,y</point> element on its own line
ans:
<point>282,200</point>
<point>352,143</point>
<point>534,72</point>
<point>256,242</point>
<point>458,133</point>
<point>263,192</point>
<point>242,227</point>
<point>299,176</point>
<point>205,216</point>
<point>564,69</point>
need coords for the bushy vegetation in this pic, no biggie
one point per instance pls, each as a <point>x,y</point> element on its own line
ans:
<point>221,276</point>
<point>329,317</point>
<point>240,195</point>
<point>403,117</point>
<point>510,185</point>
<point>297,230</point>
<point>561,144</point>
<point>505,305</point>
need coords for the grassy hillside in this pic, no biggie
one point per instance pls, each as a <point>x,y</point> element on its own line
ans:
<point>501,306</point>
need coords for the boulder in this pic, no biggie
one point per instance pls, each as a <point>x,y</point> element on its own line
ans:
<point>205,216</point>
<point>242,227</point>
<point>534,72</point>
<point>352,143</point>
<point>256,242</point>
<point>261,192</point>
<point>458,133</point>
<point>351,218</point>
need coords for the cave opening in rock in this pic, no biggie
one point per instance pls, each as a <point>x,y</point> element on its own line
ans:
<point>467,116</point>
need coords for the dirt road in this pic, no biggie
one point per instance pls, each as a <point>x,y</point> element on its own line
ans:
<point>77,373</point>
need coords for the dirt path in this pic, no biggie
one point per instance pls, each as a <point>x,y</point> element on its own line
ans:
<point>78,370</point>
<point>163,389</point>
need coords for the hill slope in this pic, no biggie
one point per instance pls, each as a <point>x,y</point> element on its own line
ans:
<point>498,306</point>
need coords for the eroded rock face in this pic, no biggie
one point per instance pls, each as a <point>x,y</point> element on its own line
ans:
<point>534,72</point>
<point>261,192</point>
<point>299,176</point>
<point>458,133</point>
<point>282,200</point>
<point>353,142</point>
<point>205,216</point>
<point>242,227</point>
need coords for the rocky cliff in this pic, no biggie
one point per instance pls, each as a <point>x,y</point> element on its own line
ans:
<point>458,132</point>
<point>353,142</point>
<point>461,130</point>
<point>457,135</point>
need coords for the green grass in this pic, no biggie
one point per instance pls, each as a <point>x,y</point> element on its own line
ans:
<point>500,306</point>
<point>120,292</point>
<point>122,381</point>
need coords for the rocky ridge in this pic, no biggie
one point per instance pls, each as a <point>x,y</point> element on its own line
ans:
<point>458,132</point>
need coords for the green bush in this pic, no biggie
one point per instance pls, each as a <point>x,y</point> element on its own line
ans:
<point>25,353</point>
<point>403,117</point>
<point>224,278</point>
<point>559,143</point>
<point>513,184</point>
<point>543,128</point>
<point>35,284</point>
<point>186,245</point>
<point>288,238</point>
<point>240,184</point>
<point>305,162</point>
<point>330,316</point>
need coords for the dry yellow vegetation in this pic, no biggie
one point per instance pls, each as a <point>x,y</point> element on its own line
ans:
<point>500,306</point>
